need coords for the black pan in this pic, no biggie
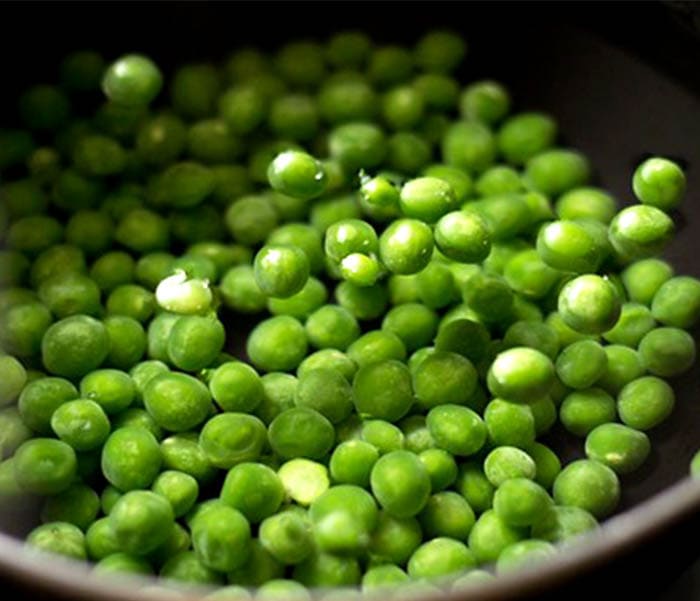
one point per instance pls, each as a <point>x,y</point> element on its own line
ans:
<point>623,80</point>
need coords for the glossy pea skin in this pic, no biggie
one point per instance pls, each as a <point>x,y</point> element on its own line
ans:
<point>506,462</point>
<point>180,489</point>
<point>520,502</point>
<point>400,483</point>
<point>352,462</point>
<point>297,174</point>
<point>490,535</point>
<point>660,183</point>
<point>466,337</point>
<point>676,302</point>
<point>176,401</point>
<point>221,538</point>
<point>131,458</point>
<point>287,537</point>
<point>458,430</point>
<point>253,489</point>
<point>520,374</point>
<point>589,304</point>
<point>586,203</point>
<point>228,439</point>
<point>277,344</point>
<point>356,145</point>
<point>447,514</point>
<point>640,231</point>
<point>620,447</point>
<point>427,199</point>
<point>444,378</point>
<point>645,402</point>
<point>81,423</point>
<point>463,237</point>
<point>383,390</point>
<point>414,323</point>
<point>44,466</point>
<point>524,135</point>
<point>281,271</point>
<point>583,410</point>
<point>667,352</point>
<point>556,171</point>
<point>569,246</point>
<point>74,346</point>
<point>469,145</point>
<point>439,557</point>
<point>195,341</point>
<point>133,80</point>
<point>301,432</point>
<point>236,386</point>
<point>588,485</point>
<point>509,423</point>
<point>58,538</point>
<point>405,246</point>
<point>635,321</point>
<point>581,364</point>
<point>533,335</point>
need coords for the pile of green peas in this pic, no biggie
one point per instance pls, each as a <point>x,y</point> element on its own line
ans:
<point>435,285</point>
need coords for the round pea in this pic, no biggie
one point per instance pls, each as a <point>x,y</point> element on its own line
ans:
<point>645,402</point>
<point>588,485</point>
<point>660,183</point>
<point>620,447</point>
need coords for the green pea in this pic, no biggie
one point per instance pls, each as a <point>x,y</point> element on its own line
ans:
<point>131,458</point>
<point>447,514</point>
<point>74,346</point>
<point>676,302</point>
<point>523,554</point>
<point>444,378</point>
<point>58,538</point>
<point>132,80</point>
<point>640,231</point>
<point>182,452</point>
<point>277,344</point>
<point>389,65</point>
<point>440,51</point>
<point>176,401</point>
<point>456,429</point>
<point>588,485</point>
<point>509,423</point>
<point>499,179</point>
<point>667,352</point>
<point>301,432</point>
<point>228,439</point>
<point>400,483</point>
<point>440,557</point>
<point>180,489</point>
<point>564,523</point>
<point>469,145</point>
<point>44,466</point>
<point>645,402</point>
<point>281,271</point>
<point>589,304</point>
<point>439,91</point>
<point>490,536</point>
<point>660,183</point>
<point>221,538</point>
<point>556,171</point>
<point>570,246</point>
<point>586,203</point>
<point>253,489</point>
<point>506,462</point>
<point>67,294</point>
<point>81,423</point>
<point>621,448</point>
<point>485,101</point>
<point>383,390</point>
<point>402,107</point>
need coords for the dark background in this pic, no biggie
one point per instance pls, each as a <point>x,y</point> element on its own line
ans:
<point>622,79</point>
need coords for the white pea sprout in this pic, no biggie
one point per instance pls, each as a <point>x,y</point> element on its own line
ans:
<point>180,294</point>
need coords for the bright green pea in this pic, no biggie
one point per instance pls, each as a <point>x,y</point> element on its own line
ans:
<point>383,435</point>
<point>180,489</point>
<point>589,304</point>
<point>524,554</point>
<point>465,337</point>
<point>58,538</point>
<point>44,466</point>
<point>277,344</point>
<point>221,538</point>
<point>586,203</point>
<point>253,489</point>
<point>667,352</point>
<point>439,557</point>
<point>521,374</point>
<point>634,322</point>
<point>352,462</point>
<point>301,432</point>
<point>490,535</point>
<point>486,101</point>
<point>581,364</point>
<point>228,439</point>
<point>676,302</point>
<point>645,402</point>
<point>441,466</point>
<point>131,458</point>
<point>240,290</point>
<point>400,483</point>
<point>556,171</point>
<point>281,271</point>
<point>463,237</point>
<point>583,410</point>
<point>509,423</point>
<point>469,145</point>
<point>132,80</point>
<point>506,462</point>
<point>74,346</point>
<point>176,401</point>
<point>383,390</point>
<point>588,485</point>
<point>444,378</point>
<point>182,452</point>
<point>660,183</point>
<point>640,231</point>
<point>236,386</point>
<point>569,246</point>
<point>621,448</point>
<point>456,429</point>
<point>81,423</point>
<point>405,247</point>
<point>447,514</point>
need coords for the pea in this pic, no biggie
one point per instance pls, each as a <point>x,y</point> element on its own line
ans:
<point>131,458</point>
<point>277,344</point>
<point>281,271</point>
<point>485,101</point>
<point>676,302</point>
<point>439,557</point>
<point>589,304</point>
<point>132,80</point>
<point>588,485</point>
<point>640,231</point>
<point>59,538</point>
<point>645,402</point>
<point>400,483</point>
<point>491,535</point>
<point>660,183</point>
<point>44,466</point>
<point>301,432</point>
<point>667,352</point>
<point>405,247</point>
